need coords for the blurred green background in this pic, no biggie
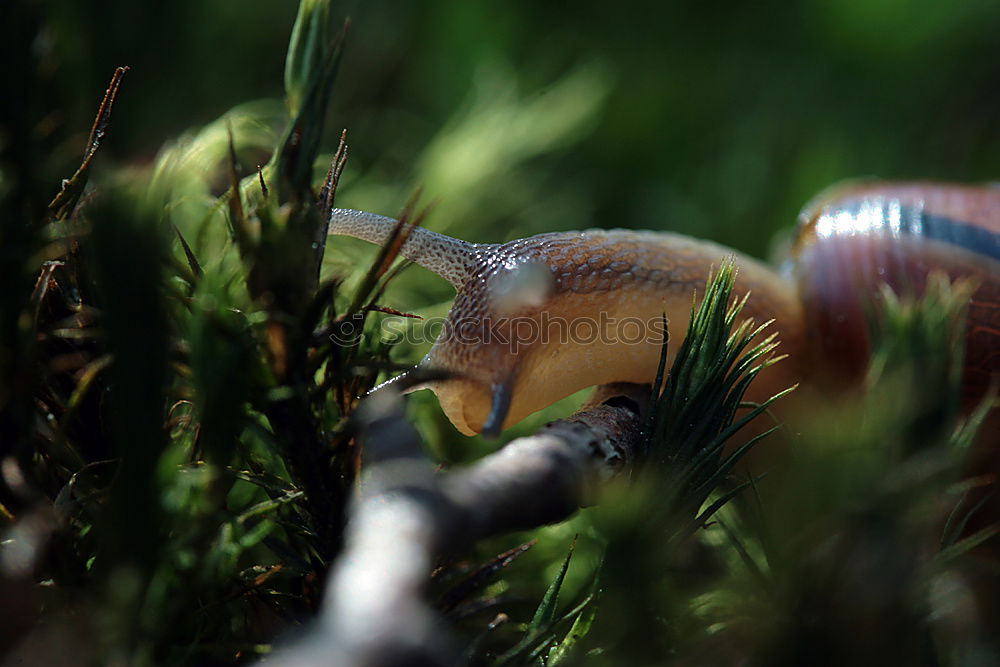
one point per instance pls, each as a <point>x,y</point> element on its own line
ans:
<point>520,117</point>
<point>717,119</point>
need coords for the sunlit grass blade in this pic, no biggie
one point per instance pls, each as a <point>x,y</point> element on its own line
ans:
<point>695,414</point>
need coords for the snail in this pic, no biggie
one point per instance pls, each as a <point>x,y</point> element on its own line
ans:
<point>537,319</point>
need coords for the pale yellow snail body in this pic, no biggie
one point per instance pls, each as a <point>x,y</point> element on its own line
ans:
<point>517,337</point>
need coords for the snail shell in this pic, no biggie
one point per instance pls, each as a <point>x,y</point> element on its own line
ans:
<point>529,322</point>
<point>854,237</point>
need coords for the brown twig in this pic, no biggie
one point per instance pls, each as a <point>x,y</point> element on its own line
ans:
<point>407,514</point>
<point>62,206</point>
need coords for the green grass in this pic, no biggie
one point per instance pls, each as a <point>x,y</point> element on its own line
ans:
<point>174,434</point>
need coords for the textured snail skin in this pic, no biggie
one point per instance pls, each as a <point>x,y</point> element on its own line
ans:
<point>850,239</point>
<point>618,274</point>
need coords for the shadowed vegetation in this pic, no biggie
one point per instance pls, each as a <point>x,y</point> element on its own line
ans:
<point>181,349</point>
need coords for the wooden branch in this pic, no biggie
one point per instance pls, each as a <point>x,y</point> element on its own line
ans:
<point>407,514</point>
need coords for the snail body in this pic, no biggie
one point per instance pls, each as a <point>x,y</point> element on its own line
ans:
<point>537,319</point>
